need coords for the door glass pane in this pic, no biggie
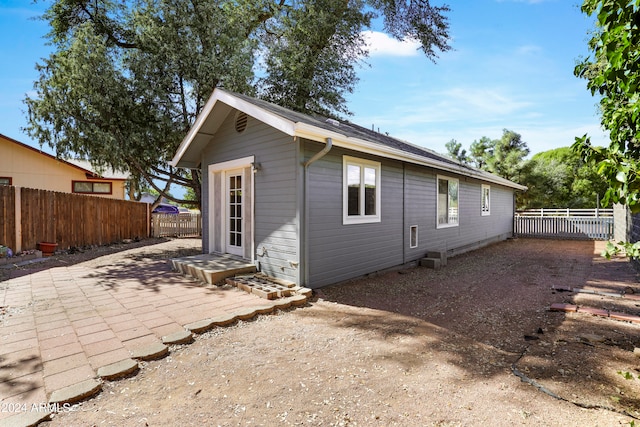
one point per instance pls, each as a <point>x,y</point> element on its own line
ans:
<point>235,211</point>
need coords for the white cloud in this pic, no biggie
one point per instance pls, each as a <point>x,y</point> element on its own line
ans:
<point>381,44</point>
<point>452,105</point>
<point>432,118</point>
<point>528,49</point>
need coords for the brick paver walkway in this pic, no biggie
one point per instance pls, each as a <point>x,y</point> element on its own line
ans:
<point>59,326</point>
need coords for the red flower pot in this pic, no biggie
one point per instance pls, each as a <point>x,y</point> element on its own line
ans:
<point>47,248</point>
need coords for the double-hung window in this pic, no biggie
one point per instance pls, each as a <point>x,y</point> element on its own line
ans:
<point>486,200</point>
<point>361,191</point>
<point>447,202</point>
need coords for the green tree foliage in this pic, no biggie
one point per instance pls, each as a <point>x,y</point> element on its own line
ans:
<point>560,178</point>
<point>508,152</point>
<point>480,150</point>
<point>455,151</point>
<point>613,72</point>
<point>502,157</point>
<point>128,78</point>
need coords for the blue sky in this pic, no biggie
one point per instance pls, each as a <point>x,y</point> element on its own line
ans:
<point>511,68</point>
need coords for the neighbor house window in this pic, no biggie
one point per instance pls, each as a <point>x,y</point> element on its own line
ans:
<point>5,180</point>
<point>361,191</point>
<point>486,199</point>
<point>88,187</point>
<point>447,202</point>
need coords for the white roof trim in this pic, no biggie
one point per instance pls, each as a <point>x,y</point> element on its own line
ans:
<point>267,117</point>
<point>314,133</point>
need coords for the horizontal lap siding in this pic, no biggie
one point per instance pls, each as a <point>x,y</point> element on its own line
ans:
<point>339,252</point>
<point>420,209</point>
<point>473,229</point>
<point>276,221</point>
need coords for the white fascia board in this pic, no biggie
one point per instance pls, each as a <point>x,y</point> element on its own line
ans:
<point>271,119</point>
<point>195,128</point>
<point>314,133</point>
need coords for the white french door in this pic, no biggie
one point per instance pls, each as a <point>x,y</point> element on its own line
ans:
<point>234,182</point>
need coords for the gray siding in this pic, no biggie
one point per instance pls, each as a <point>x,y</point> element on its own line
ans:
<point>339,252</point>
<point>408,197</point>
<point>276,183</point>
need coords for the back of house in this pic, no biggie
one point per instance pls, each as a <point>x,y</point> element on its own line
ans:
<point>317,201</point>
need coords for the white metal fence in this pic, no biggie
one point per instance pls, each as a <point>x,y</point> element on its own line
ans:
<point>587,224</point>
<point>181,225</point>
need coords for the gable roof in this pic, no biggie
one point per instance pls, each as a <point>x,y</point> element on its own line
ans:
<point>315,128</point>
<point>82,165</point>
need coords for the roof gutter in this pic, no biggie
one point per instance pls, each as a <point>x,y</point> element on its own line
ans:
<point>305,231</point>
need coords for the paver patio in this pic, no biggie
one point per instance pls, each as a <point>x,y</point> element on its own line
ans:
<point>60,326</point>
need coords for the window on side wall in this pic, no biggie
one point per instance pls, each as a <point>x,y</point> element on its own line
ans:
<point>361,191</point>
<point>89,187</point>
<point>447,203</point>
<point>486,200</point>
<point>5,180</point>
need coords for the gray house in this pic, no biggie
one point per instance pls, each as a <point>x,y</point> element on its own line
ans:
<point>317,201</point>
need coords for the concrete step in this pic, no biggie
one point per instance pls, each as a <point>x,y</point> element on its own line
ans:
<point>431,263</point>
<point>441,255</point>
<point>212,268</point>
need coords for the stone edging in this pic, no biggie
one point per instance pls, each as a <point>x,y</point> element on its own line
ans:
<point>19,259</point>
<point>125,368</point>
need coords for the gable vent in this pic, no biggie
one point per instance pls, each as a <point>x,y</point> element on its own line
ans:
<point>241,121</point>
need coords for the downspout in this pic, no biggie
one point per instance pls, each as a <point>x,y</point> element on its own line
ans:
<point>317,156</point>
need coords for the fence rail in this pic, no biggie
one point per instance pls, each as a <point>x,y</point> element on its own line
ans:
<point>29,216</point>
<point>585,224</point>
<point>181,225</point>
<point>562,212</point>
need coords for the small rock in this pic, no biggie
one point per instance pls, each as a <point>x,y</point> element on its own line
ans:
<point>591,338</point>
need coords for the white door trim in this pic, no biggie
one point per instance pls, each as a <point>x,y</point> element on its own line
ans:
<point>217,204</point>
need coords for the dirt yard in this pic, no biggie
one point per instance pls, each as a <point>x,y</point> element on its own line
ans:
<point>471,344</point>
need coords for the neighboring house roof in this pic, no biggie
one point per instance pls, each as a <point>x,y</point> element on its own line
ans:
<point>342,133</point>
<point>106,174</point>
<point>82,165</point>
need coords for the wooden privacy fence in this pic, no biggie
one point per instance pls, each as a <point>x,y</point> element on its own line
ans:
<point>586,224</point>
<point>31,216</point>
<point>181,225</point>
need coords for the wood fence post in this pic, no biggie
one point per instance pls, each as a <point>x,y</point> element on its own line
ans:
<point>18,219</point>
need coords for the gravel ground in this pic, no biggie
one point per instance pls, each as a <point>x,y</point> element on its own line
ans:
<point>470,344</point>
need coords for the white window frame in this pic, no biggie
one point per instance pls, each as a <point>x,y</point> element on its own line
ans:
<point>448,223</point>
<point>360,218</point>
<point>485,208</point>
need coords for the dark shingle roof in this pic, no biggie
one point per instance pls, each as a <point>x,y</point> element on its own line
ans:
<point>348,129</point>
